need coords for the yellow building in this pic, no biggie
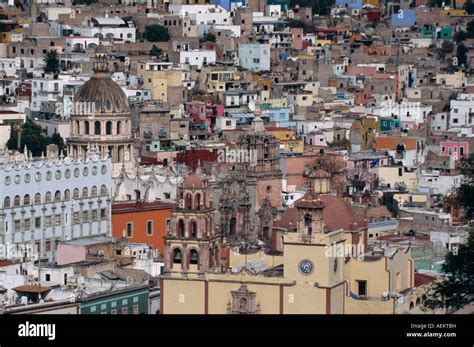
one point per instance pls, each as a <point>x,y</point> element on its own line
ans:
<point>159,77</point>
<point>391,176</point>
<point>287,138</point>
<point>374,3</point>
<point>212,79</point>
<point>453,12</point>
<point>318,273</point>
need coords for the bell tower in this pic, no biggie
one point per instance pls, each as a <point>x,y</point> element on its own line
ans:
<point>192,245</point>
<point>309,252</point>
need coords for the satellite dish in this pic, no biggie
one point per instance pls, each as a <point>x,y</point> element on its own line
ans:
<point>252,105</point>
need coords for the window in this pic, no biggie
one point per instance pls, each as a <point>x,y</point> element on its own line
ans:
<point>94,214</point>
<point>193,257</point>
<point>129,229</point>
<point>113,312</point>
<point>177,256</point>
<point>149,227</point>
<point>47,277</point>
<point>362,288</point>
<point>27,224</point>
<point>103,213</point>
<point>57,220</point>
<point>47,221</point>
<point>85,216</point>
<point>124,310</point>
<point>75,218</point>
<point>135,309</point>
<point>37,222</point>
<point>17,225</point>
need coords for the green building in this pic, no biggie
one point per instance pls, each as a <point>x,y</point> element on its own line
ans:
<point>389,123</point>
<point>129,300</point>
<point>435,33</point>
<point>285,4</point>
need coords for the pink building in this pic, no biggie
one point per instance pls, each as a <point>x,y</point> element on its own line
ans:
<point>456,149</point>
<point>316,138</point>
<point>203,111</point>
<point>297,37</point>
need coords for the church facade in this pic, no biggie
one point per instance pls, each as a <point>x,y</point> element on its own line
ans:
<point>313,275</point>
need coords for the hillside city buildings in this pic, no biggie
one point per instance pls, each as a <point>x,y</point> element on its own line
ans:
<point>250,157</point>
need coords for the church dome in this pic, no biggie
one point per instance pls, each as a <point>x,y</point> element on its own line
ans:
<point>193,181</point>
<point>101,95</point>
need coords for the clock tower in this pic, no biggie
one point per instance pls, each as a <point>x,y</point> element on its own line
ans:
<point>310,254</point>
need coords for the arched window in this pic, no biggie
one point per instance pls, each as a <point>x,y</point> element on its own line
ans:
<point>193,229</point>
<point>16,201</point>
<point>76,194</point>
<point>96,127</point>
<point>193,257</point>
<point>412,306</point>
<point>26,199</point>
<point>232,226</point>
<point>6,202</point>
<point>418,301</point>
<point>188,201</point>
<point>85,192</point>
<point>86,127</point>
<point>108,128</point>
<point>37,198</point>
<point>176,256</point>
<point>119,127</point>
<point>103,190</point>
<point>197,202</point>
<point>181,228</point>
<point>307,224</point>
<point>47,198</point>
<point>94,191</point>
<point>67,195</point>
<point>57,196</point>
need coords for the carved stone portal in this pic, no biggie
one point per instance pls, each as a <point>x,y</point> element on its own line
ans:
<point>243,302</point>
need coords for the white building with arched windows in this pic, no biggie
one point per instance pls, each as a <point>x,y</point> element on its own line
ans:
<point>53,199</point>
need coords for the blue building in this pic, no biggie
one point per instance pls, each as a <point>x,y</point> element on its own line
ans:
<point>227,4</point>
<point>255,56</point>
<point>404,17</point>
<point>350,3</point>
<point>280,115</point>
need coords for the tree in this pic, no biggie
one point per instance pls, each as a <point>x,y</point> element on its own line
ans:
<point>156,33</point>
<point>465,192</point>
<point>470,29</point>
<point>51,62</point>
<point>322,7</point>
<point>32,136</point>
<point>460,36</point>
<point>156,52</point>
<point>469,6</point>
<point>461,54</point>
<point>208,37</point>
<point>455,289</point>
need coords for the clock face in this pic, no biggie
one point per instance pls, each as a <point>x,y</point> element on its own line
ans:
<point>306,267</point>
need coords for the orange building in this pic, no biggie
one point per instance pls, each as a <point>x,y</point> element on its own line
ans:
<point>142,222</point>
